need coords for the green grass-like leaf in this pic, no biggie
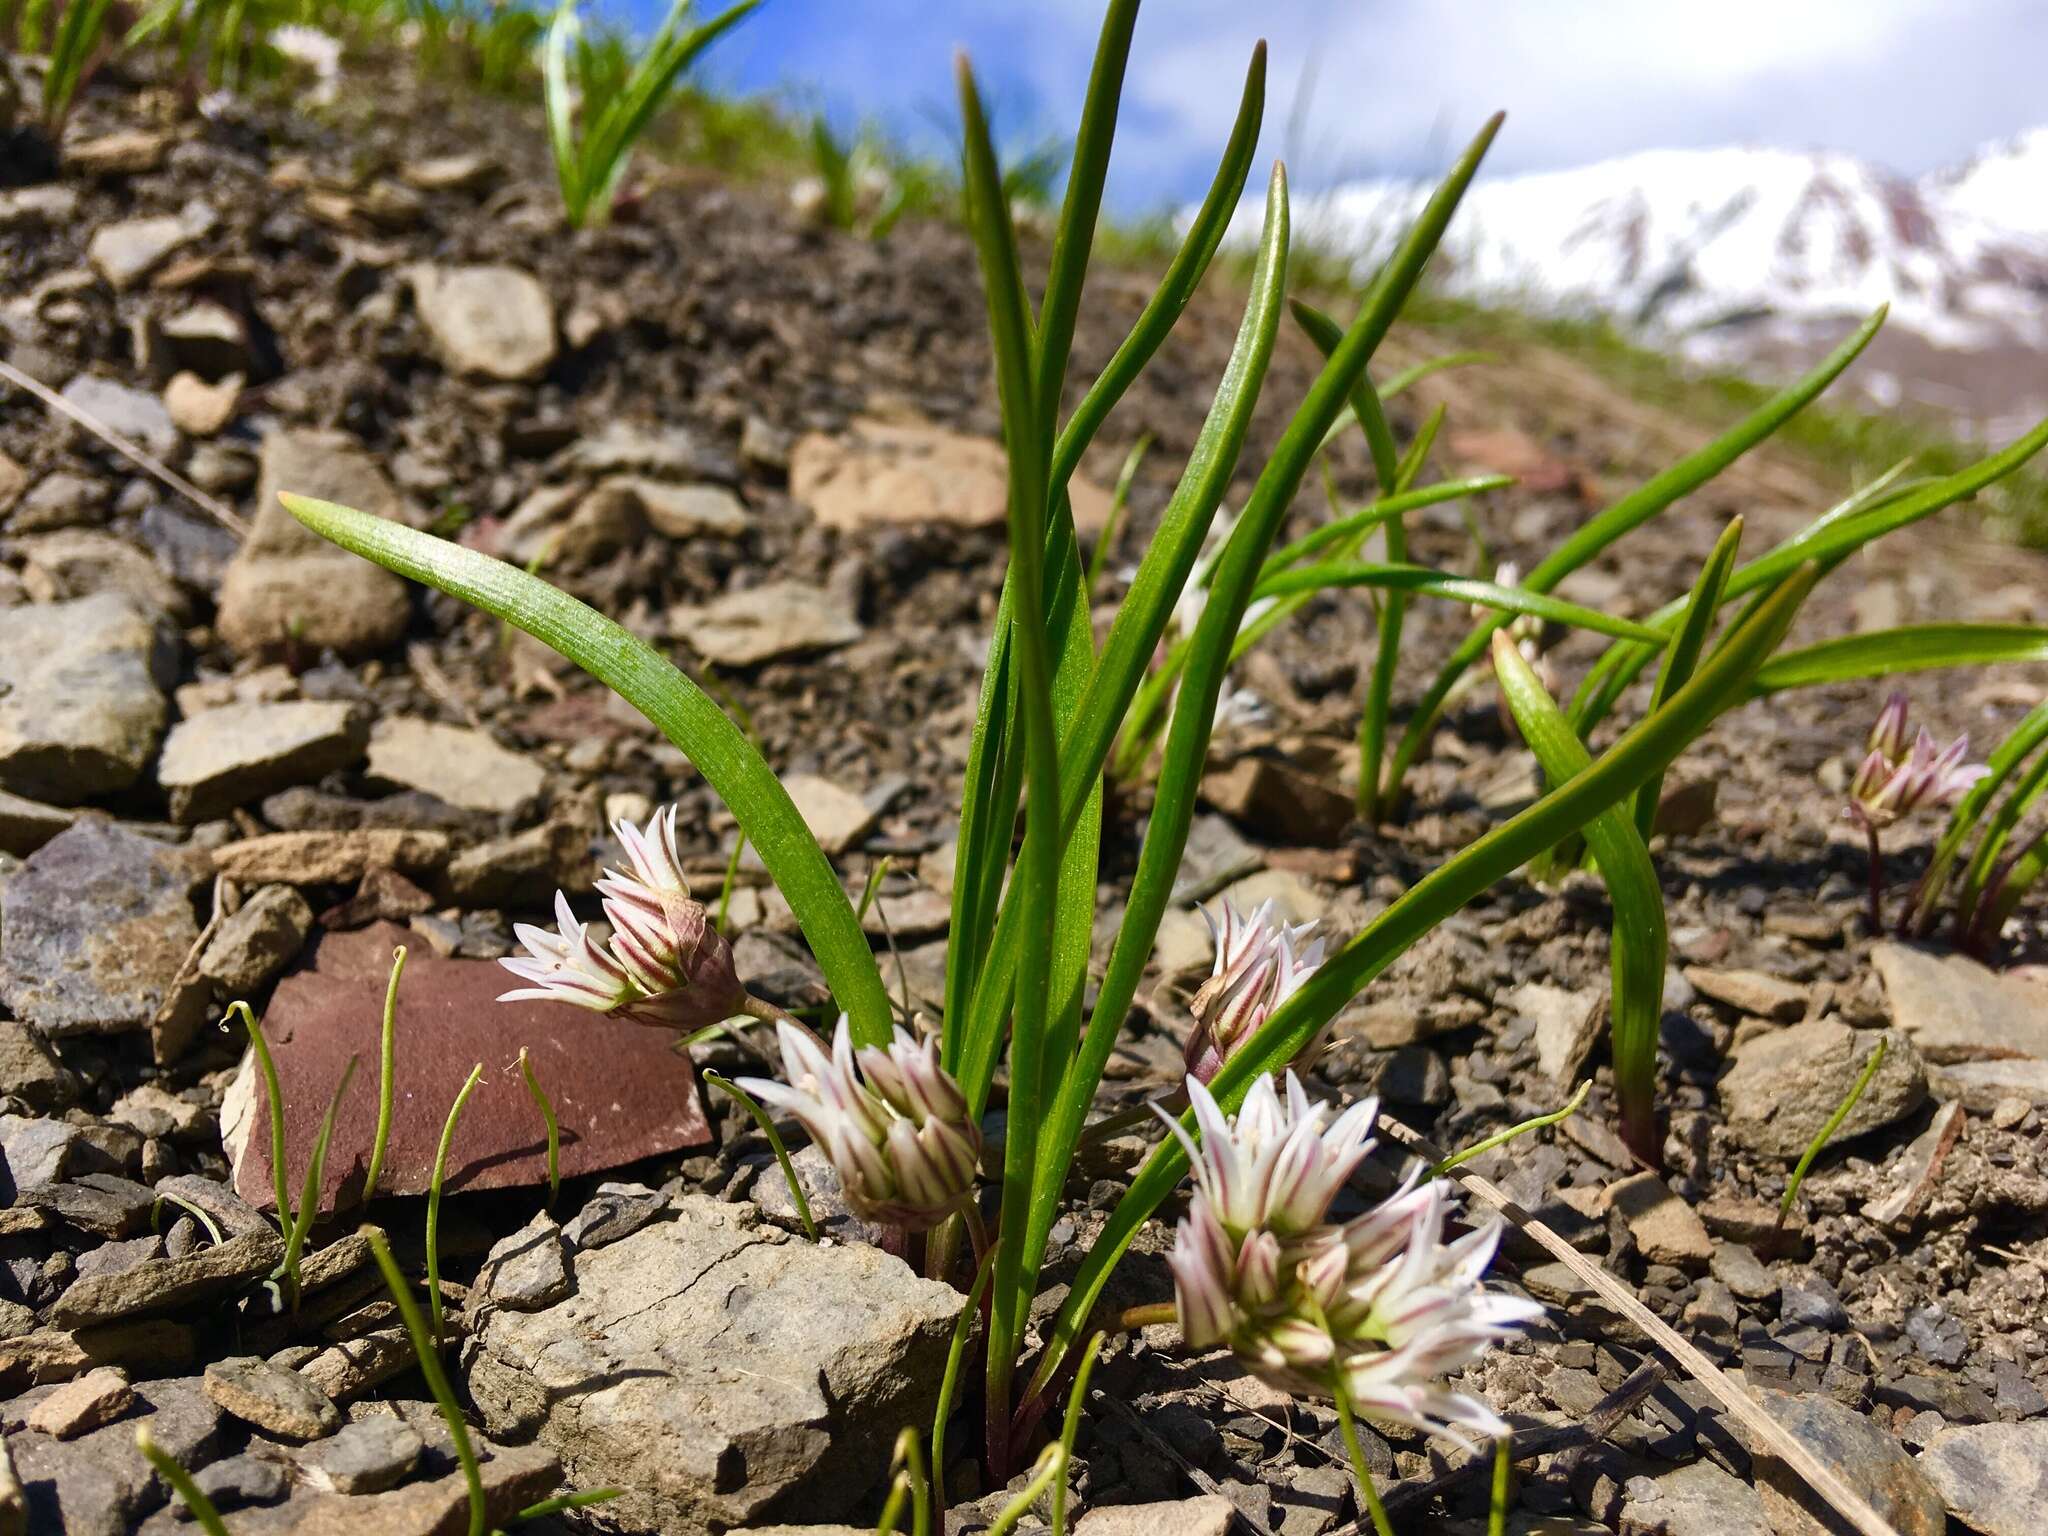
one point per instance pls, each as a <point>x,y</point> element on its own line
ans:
<point>678,708</point>
<point>1909,648</point>
<point>1639,941</point>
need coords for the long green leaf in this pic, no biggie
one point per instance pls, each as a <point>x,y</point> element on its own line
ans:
<point>993,780</point>
<point>1683,654</point>
<point>1429,582</point>
<point>1038,865</point>
<point>678,708</point>
<point>1909,648</point>
<point>1626,515</point>
<point>1640,942</point>
<point>1998,830</point>
<point>1649,748</point>
<point>560,102</point>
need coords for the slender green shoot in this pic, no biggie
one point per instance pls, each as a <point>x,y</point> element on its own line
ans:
<point>1361,1473</point>
<point>78,38</point>
<point>873,888</point>
<point>1502,1138</point>
<point>1497,1505</point>
<point>1827,1132</point>
<point>1050,1466</point>
<point>156,1207</point>
<point>732,874</point>
<point>546,1107</point>
<point>1119,509</point>
<point>949,1384</point>
<point>426,1348</point>
<point>1077,1400</point>
<point>181,1482</point>
<point>387,1074</point>
<point>562,1503</point>
<point>309,1191</point>
<point>910,1485</point>
<point>762,1118</point>
<point>275,1097</point>
<point>476,1074</point>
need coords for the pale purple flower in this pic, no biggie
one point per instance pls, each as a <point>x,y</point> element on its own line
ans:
<point>1892,781</point>
<point>1257,968</point>
<point>892,1122</point>
<point>1381,1306</point>
<point>1269,1166</point>
<point>667,964</point>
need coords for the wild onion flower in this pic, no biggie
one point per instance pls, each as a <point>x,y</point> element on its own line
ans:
<point>1893,782</point>
<point>667,964</point>
<point>1256,969</point>
<point>1380,1307</point>
<point>893,1123</point>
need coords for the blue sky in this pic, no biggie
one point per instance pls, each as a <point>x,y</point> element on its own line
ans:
<point>1359,87</point>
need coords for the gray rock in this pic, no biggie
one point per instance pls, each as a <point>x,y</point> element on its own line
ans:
<point>289,585</point>
<point>60,500</point>
<point>1567,1026</point>
<point>347,1370</point>
<point>694,1368</point>
<point>1209,1515</point>
<point>667,452</point>
<point>276,1400</point>
<point>367,1456</point>
<point>462,767</point>
<point>778,618</point>
<point>614,1212</point>
<point>125,251</point>
<point>222,758</point>
<point>112,1258</point>
<point>103,1204</point>
<point>134,414</point>
<point>35,1151</point>
<point>1864,1456</point>
<point>30,1071</point>
<point>81,697</point>
<point>1958,1010</point>
<point>685,511</point>
<point>99,1484</point>
<point>258,941</point>
<point>1992,1477</point>
<point>329,858</point>
<point>513,1478</point>
<point>1809,1301</point>
<point>1695,1500</point>
<point>94,929</point>
<point>98,1397</point>
<point>1753,992</point>
<point>527,1270</point>
<point>237,1482</point>
<point>25,825</point>
<point>229,1211</point>
<point>837,817</point>
<point>493,321</point>
<point>1787,1084</point>
<point>210,340</point>
<point>522,869</point>
<point>168,1285</point>
<point>1667,1229</point>
<point>1737,1267</point>
<point>80,562</point>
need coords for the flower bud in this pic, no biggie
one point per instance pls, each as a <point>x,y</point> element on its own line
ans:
<point>1256,970</point>
<point>893,1123</point>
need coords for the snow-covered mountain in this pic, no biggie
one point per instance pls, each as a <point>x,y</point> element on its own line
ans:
<point>1760,258</point>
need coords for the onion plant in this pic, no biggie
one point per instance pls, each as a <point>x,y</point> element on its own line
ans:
<point>76,42</point>
<point>1990,884</point>
<point>600,98</point>
<point>900,1117</point>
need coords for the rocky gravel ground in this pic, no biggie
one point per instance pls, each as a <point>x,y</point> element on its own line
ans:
<point>236,763</point>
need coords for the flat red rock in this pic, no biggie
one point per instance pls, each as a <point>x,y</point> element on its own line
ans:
<point>621,1092</point>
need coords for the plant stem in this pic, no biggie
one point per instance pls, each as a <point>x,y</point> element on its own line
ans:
<point>434,1196</point>
<point>1359,1470</point>
<point>1504,1137</point>
<point>387,1063</point>
<point>1131,1319</point>
<point>1876,877</point>
<point>726,1086</point>
<point>1497,1510</point>
<point>547,1115</point>
<point>1827,1131</point>
<point>768,1013</point>
<point>426,1350</point>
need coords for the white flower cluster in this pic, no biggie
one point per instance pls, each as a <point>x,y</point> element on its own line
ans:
<point>1380,1306</point>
